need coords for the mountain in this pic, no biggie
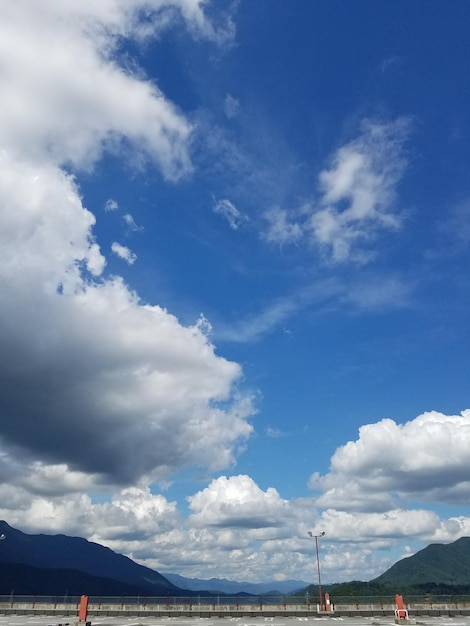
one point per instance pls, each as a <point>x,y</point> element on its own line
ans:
<point>59,552</point>
<point>25,580</point>
<point>437,569</point>
<point>440,564</point>
<point>221,585</point>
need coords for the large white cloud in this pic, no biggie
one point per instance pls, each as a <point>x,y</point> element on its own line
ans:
<point>412,460</point>
<point>237,501</point>
<point>66,98</point>
<point>94,382</point>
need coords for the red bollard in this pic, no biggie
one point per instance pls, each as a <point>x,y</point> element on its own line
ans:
<point>83,612</point>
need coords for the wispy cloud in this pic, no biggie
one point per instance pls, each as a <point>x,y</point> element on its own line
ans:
<point>111,205</point>
<point>230,212</point>
<point>389,62</point>
<point>280,229</point>
<point>231,107</point>
<point>358,191</point>
<point>130,222</point>
<point>355,198</point>
<point>371,292</point>
<point>253,327</point>
<point>274,432</point>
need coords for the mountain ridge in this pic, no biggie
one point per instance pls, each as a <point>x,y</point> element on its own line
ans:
<point>441,564</point>
<point>61,552</point>
<point>232,587</point>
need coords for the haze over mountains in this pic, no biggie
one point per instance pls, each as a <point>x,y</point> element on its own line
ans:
<point>231,587</point>
<point>60,565</point>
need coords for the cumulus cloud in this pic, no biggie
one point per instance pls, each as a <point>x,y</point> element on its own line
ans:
<point>123,252</point>
<point>100,362</point>
<point>66,98</point>
<point>234,526</point>
<point>404,459</point>
<point>81,354</point>
<point>236,501</point>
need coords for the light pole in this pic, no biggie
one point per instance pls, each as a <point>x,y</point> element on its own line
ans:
<point>318,565</point>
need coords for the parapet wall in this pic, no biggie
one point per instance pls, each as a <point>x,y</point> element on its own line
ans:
<point>219,607</point>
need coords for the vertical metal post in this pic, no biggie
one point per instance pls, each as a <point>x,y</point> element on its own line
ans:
<point>320,606</point>
<point>319,579</point>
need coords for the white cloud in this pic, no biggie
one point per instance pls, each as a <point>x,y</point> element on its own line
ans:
<point>131,225</point>
<point>99,361</point>
<point>236,501</point>
<point>379,292</point>
<point>123,252</point>
<point>231,106</point>
<point>254,327</point>
<point>368,292</point>
<point>274,432</point>
<point>236,530</point>
<point>358,191</point>
<point>111,205</point>
<point>66,99</point>
<point>46,233</point>
<point>354,200</point>
<point>408,460</point>
<point>82,356</point>
<point>230,212</point>
<point>280,230</point>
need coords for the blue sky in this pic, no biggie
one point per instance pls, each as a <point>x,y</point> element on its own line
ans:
<point>235,280</point>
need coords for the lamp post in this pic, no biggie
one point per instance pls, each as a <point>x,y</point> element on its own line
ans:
<point>318,565</point>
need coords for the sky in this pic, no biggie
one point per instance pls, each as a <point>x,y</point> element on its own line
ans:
<point>235,280</point>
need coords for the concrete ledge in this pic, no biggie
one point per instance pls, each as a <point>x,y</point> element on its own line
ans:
<point>64,614</point>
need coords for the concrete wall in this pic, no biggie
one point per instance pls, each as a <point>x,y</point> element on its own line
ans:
<point>200,609</point>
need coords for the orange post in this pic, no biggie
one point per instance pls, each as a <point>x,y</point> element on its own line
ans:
<point>400,611</point>
<point>83,612</point>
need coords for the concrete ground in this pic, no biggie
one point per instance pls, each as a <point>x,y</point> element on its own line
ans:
<point>44,620</point>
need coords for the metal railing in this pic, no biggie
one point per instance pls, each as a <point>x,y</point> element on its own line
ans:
<point>222,604</point>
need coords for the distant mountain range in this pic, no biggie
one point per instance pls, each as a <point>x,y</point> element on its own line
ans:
<point>59,565</point>
<point>62,565</point>
<point>221,585</point>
